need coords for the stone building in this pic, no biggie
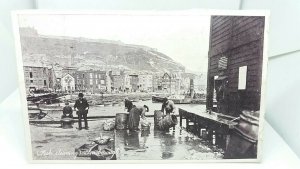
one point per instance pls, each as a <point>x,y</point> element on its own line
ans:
<point>134,82</point>
<point>93,81</point>
<point>145,82</point>
<point>81,81</point>
<point>68,83</point>
<point>38,77</point>
<point>157,82</point>
<point>171,83</point>
<point>118,81</point>
<point>235,63</point>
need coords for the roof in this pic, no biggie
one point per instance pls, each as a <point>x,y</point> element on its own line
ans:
<point>33,64</point>
<point>67,75</point>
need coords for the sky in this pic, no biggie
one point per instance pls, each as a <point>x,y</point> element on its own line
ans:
<point>184,38</point>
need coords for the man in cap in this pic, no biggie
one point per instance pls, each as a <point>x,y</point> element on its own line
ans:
<point>128,104</point>
<point>168,106</point>
<point>81,106</point>
<point>67,111</point>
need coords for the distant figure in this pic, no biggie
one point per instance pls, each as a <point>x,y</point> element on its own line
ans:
<point>168,106</point>
<point>128,104</point>
<point>135,114</point>
<point>67,111</point>
<point>81,106</point>
<point>222,97</point>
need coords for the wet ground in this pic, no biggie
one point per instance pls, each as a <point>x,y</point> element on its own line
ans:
<point>160,145</point>
<point>51,142</point>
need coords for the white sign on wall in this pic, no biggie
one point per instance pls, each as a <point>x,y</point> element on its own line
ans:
<point>242,78</point>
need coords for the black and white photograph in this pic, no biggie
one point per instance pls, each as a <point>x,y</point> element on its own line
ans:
<point>184,86</point>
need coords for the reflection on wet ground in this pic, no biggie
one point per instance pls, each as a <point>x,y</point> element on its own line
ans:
<point>171,145</point>
<point>51,142</point>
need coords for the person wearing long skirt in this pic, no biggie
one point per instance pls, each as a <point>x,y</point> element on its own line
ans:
<point>135,114</point>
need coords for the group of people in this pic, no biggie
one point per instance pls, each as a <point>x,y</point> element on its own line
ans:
<point>135,112</point>
<point>81,107</point>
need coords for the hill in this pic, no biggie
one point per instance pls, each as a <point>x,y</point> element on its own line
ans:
<point>93,53</point>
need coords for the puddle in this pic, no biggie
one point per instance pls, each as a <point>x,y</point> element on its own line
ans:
<point>160,145</point>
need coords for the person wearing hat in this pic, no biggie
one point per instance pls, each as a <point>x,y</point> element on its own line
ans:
<point>128,104</point>
<point>81,106</point>
<point>168,106</point>
<point>67,111</point>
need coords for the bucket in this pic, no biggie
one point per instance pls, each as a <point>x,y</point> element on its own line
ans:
<point>157,117</point>
<point>167,122</point>
<point>121,121</point>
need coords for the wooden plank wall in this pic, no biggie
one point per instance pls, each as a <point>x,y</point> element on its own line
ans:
<point>240,38</point>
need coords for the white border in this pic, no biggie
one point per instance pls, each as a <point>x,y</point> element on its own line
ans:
<point>21,80</point>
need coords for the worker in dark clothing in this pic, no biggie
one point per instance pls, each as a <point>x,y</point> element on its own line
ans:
<point>222,96</point>
<point>67,111</point>
<point>135,114</point>
<point>81,106</point>
<point>168,106</point>
<point>128,104</point>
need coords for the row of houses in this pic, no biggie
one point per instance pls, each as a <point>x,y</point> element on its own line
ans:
<point>70,79</point>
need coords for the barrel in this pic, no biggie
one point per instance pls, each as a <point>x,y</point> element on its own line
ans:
<point>244,138</point>
<point>121,121</point>
<point>157,117</point>
<point>67,122</point>
<point>167,122</point>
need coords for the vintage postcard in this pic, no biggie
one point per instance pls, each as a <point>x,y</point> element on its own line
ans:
<point>142,86</point>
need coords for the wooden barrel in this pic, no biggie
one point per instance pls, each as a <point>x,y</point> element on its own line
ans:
<point>157,117</point>
<point>248,125</point>
<point>67,123</point>
<point>121,121</point>
<point>167,122</point>
<point>243,141</point>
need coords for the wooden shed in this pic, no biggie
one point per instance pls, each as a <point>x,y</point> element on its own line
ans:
<point>235,63</point>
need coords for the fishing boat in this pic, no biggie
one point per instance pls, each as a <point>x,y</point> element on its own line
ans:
<point>157,99</point>
<point>135,100</point>
<point>180,99</point>
<point>108,103</point>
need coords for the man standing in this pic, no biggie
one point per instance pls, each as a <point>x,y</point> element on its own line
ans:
<point>81,106</point>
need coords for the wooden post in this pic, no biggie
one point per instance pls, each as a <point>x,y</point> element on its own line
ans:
<point>186,123</point>
<point>180,118</point>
